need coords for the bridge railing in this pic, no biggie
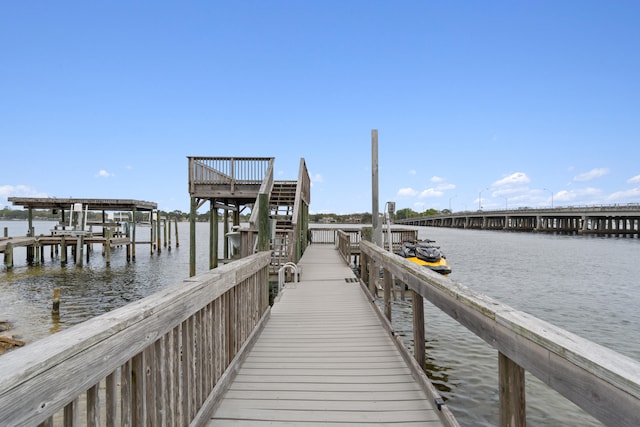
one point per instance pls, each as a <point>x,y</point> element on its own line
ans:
<point>601,381</point>
<point>159,361</point>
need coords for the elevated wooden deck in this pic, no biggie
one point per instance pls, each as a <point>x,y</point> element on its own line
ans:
<point>324,357</point>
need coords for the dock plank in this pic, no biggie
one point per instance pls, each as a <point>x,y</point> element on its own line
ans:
<point>324,358</point>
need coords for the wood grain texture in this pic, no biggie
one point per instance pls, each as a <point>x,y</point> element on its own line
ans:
<point>324,357</point>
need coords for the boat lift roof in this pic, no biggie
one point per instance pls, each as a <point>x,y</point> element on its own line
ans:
<point>90,204</point>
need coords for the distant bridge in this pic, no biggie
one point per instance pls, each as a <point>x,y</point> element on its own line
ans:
<point>613,220</point>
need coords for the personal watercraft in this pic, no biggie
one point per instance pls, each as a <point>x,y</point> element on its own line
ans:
<point>424,252</point>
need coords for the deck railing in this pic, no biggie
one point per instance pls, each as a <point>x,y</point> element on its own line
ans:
<point>603,382</point>
<point>228,170</point>
<point>159,361</point>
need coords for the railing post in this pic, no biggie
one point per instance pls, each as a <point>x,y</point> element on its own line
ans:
<point>512,393</point>
<point>388,283</point>
<point>192,237</point>
<point>364,273</point>
<point>373,272</point>
<point>263,222</point>
<point>213,235</point>
<point>417,303</point>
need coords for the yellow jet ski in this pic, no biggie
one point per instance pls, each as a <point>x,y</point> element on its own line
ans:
<point>424,252</point>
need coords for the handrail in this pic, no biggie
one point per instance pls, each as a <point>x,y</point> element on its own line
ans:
<point>344,246</point>
<point>265,188</point>
<point>601,381</point>
<point>282,271</point>
<point>169,352</point>
<point>303,195</point>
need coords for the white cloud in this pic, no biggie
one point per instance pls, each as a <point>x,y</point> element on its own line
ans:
<point>437,179</point>
<point>412,172</point>
<point>317,178</point>
<point>430,192</point>
<point>513,179</point>
<point>592,174</point>
<point>407,192</point>
<point>446,186</point>
<point>103,174</point>
<point>20,191</point>
<point>634,180</point>
<point>566,196</point>
<point>620,195</point>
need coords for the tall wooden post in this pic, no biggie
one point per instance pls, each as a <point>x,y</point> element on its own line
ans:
<point>152,229</point>
<point>168,237</point>
<point>158,235</point>
<point>192,237</point>
<point>164,228</point>
<point>30,233</point>
<point>213,235</point>
<point>225,230</point>
<point>63,250</point>
<point>263,222</point>
<point>375,220</point>
<point>177,240</point>
<point>79,250</point>
<point>107,245</point>
<point>133,235</point>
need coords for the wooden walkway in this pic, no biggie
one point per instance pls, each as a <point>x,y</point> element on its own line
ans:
<point>324,358</point>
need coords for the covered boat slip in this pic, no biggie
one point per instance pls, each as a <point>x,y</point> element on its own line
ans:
<point>324,356</point>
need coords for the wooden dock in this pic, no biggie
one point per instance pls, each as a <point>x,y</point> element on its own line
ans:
<point>324,357</point>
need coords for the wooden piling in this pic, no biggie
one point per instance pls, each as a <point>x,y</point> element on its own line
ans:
<point>164,228</point>
<point>213,236</point>
<point>107,245</point>
<point>55,308</point>
<point>79,249</point>
<point>63,250</point>
<point>192,236</point>
<point>8,255</point>
<point>158,237</point>
<point>169,234</point>
<point>225,242</point>
<point>152,237</point>
<point>177,241</point>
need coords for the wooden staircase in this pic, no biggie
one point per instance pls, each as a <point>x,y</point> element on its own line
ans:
<point>281,207</point>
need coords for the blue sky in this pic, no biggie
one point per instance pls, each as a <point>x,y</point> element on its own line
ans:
<point>513,102</point>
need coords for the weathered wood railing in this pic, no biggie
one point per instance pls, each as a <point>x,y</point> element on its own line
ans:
<point>159,361</point>
<point>344,246</point>
<point>604,383</point>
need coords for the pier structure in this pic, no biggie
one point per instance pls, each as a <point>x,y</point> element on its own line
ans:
<point>75,230</point>
<point>210,350</point>
<point>614,220</point>
<point>279,209</point>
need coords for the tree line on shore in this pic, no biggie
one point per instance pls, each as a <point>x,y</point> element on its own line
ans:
<point>362,218</point>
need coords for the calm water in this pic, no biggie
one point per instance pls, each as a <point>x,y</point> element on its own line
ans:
<point>589,286</point>
<point>586,285</point>
<point>26,292</point>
